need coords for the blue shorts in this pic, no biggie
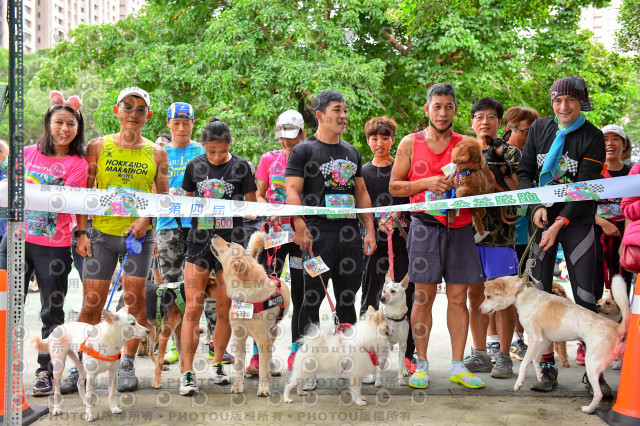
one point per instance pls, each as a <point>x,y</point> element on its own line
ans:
<point>498,261</point>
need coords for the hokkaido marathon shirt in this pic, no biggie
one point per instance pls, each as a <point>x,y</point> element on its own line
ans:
<point>583,158</point>
<point>329,171</point>
<point>178,159</point>
<point>377,180</point>
<point>228,181</point>
<point>125,171</point>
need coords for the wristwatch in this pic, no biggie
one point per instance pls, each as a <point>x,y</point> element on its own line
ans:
<point>79,232</point>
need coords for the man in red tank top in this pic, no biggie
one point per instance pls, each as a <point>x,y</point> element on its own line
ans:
<point>437,251</point>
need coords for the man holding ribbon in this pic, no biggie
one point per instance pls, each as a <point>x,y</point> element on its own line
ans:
<point>559,150</point>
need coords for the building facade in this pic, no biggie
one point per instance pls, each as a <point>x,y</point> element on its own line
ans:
<point>48,21</point>
<point>603,23</point>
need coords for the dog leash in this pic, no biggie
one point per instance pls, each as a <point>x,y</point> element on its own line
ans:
<point>134,247</point>
<point>339,326</point>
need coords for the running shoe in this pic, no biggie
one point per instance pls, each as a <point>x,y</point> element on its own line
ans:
<point>188,385</point>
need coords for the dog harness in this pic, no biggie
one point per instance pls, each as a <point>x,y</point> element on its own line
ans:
<point>275,299</point>
<point>88,349</point>
<point>179,300</point>
<point>372,354</point>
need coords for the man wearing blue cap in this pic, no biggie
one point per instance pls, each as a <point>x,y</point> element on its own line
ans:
<point>172,233</point>
<point>560,150</point>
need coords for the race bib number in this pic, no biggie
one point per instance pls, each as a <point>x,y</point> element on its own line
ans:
<point>241,310</point>
<point>276,239</point>
<point>315,266</point>
<point>205,223</point>
<point>343,201</point>
<point>295,262</point>
<point>223,223</point>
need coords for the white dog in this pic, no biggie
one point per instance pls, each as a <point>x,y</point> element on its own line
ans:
<point>549,318</point>
<point>353,352</point>
<point>101,345</point>
<point>393,302</point>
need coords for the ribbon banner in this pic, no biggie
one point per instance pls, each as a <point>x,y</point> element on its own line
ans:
<point>121,202</point>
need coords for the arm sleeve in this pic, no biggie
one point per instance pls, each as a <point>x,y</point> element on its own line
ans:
<point>528,167</point>
<point>589,168</point>
<point>297,161</point>
<point>187,181</point>
<point>262,172</point>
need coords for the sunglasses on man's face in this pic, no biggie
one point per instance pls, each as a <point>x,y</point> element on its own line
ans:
<point>129,109</point>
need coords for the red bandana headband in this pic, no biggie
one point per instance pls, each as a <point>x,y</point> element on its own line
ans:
<point>57,99</point>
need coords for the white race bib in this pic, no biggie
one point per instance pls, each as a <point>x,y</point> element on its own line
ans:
<point>241,310</point>
<point>315,266</point>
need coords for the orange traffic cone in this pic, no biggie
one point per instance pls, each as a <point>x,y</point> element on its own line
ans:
<point>626,411</point>
<point>29,414</point>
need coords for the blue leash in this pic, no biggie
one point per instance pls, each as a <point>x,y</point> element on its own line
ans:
<point>134,247</point>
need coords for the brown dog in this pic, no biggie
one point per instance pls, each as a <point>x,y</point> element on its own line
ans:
<point>470,179</point>
<point>561,347</point>
<point>258,303</point>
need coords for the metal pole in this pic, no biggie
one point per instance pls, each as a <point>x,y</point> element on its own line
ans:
<point>14,363</point>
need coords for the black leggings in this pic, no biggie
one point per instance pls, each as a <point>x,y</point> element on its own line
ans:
<point>585,272</point>
<point>297,282</point>
<point>341,251</point>
<point>376,267</point>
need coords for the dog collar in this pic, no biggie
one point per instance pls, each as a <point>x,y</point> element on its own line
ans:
<point>405,317</point>
<point>464,173</point>
<point>88,349</point>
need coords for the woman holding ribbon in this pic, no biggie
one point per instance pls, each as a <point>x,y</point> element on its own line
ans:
<point>57,159</point>
<point>565,149</point>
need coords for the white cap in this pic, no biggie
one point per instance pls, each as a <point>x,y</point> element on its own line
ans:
<point>614,128</point>
<point>289,124</point>
<point>135,91</point>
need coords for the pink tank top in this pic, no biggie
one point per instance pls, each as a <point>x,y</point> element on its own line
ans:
<point>426,163</point>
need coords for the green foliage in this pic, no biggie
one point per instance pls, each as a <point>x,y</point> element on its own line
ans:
<point>629,35</point>
<point>246,61</point>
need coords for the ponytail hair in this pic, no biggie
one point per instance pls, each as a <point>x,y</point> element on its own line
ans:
<point>216,130</point>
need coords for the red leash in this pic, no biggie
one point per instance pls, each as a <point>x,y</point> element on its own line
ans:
<point>390,252</point>
<point>273,257</point>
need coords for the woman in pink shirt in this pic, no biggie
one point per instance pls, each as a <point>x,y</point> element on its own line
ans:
<point>57,159</point>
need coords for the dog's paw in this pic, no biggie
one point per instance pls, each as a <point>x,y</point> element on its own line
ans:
<point>264,391</point>
<point>237,388</point>
<point>116,410</point>
<point>157,383</point>
<point>303,393</point>
<point>517,386</point>
<point>276,373</point>
<point>406,373</point>
<point>378,383</point>
<point>565,363</point>
<point>89,417</point>
<point>288,400</point>
<point>56,411</point>
<point>402,382</point>
<point>587,409</point>
<point>361,401</point>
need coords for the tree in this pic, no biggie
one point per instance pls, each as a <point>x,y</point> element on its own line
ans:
<point>246,61</point>
<point>629,35</point>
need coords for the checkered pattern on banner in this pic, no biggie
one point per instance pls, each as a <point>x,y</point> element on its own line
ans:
<point>106,200</point>
<point>562,192</point>
<point>572,165</point>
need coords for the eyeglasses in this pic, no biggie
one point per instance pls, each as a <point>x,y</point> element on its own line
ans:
<point>489,117</point>
<point>129,109</point>
<point>524,132</point>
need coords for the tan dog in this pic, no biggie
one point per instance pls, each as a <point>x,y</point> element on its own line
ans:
<point>258,303</point>
<point>470,180</point>
<point>561,347</point>
<point>549,318</point>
